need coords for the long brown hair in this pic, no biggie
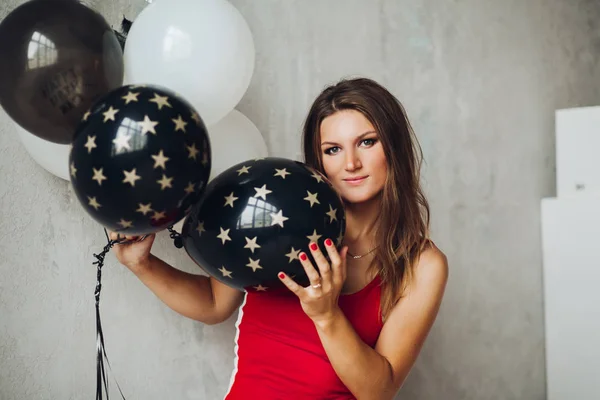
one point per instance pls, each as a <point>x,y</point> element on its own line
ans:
<point>403,231</point>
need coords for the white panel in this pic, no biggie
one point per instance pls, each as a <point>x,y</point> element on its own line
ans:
<point>577,150</point>
<point>570,239</point>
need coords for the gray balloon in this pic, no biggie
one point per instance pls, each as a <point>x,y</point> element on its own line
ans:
<point>57,57</point>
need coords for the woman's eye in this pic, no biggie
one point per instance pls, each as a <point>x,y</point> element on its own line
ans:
<point>369,142</point>
<point>332,150</point>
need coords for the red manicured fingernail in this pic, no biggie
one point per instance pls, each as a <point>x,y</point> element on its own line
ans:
<point>303,256</point>
<point>328,242</point>
<point>313,246</point>
<point>281,275</point>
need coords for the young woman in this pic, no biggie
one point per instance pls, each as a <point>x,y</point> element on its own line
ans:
<point>357,329</point>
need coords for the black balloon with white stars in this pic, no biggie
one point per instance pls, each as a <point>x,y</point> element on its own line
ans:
<point>256,217</point>
<point>140,159</point>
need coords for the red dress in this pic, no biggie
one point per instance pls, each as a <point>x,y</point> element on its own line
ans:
<point>279,354</point>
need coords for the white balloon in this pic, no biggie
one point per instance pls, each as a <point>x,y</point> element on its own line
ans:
<point>201,49</point>
<point>53,157</point>
<point>234,139</point>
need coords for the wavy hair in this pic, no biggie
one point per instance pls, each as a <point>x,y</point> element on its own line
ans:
<point>402,230</point>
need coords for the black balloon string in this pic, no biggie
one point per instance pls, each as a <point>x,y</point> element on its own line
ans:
<point>176,236</point>
<point>101,381</point>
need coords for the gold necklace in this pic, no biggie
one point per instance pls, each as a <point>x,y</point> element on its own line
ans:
<point>362,255</point>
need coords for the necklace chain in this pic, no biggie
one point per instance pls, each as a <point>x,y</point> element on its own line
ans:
<point>362,255</point>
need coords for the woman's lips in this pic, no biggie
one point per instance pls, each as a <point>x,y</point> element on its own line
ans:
<point>356,180</point>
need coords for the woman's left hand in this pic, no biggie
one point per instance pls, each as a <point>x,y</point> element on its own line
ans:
<point>320,299</point>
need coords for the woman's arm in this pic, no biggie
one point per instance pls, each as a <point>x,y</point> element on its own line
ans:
<point>195,296</point>
<point>379,373</point>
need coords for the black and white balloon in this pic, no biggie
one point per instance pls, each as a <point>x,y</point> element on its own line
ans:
<point>255,218</point>
<point>140,159</point>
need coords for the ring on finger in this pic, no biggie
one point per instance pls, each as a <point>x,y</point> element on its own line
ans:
<point>316,285</point>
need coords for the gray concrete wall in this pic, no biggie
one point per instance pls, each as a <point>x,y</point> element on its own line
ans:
<point>480,80</point>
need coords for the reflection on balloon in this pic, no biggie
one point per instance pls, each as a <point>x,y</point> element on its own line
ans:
<point>56,59</point>
<point>255,218</point>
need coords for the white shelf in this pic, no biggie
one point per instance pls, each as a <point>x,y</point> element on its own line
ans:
<point>571,275</point>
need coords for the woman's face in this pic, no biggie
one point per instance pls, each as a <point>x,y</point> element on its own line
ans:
<point>353,157</point>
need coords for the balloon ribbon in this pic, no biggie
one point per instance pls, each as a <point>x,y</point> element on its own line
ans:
<point>101,381</point>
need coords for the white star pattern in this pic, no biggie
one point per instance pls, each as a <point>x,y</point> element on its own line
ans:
<point>161,101</point>
<point>189,189</point>
<point>200,228</point>
<point>179,124</point>
<point>125,223</point>
<point>165,182</point>
<point>260,288</point>
<point>99,175</point>
<point>281,172</point>
<point>157,216</point>
<point>339,239</point>
<point>224,235</point>
<point>251,244</point>
<point>243,170</point>
<point>94,203</point>
<point>196,118</point>
<point>130,96</point>
<point>226,272</point>
<point>314,237</point>
<point>262,192</point>
<point>317,176</point>
<point>131,177</point>
<point>91,143</point>
<point>193,151</point>
<point>147,125</point>
<point>312,198</point>
<point>160,160</point>
<point>110,114</point>
<point>254,264</point>
<point>332,214</point>
<point>229,200</point>
<point>293,254</point>
<point>73,170</point>
<point>144,208</point>
<point>86,115</point>
<point>278,218</point>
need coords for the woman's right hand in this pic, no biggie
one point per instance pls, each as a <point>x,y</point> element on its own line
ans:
<point>133,255</point>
